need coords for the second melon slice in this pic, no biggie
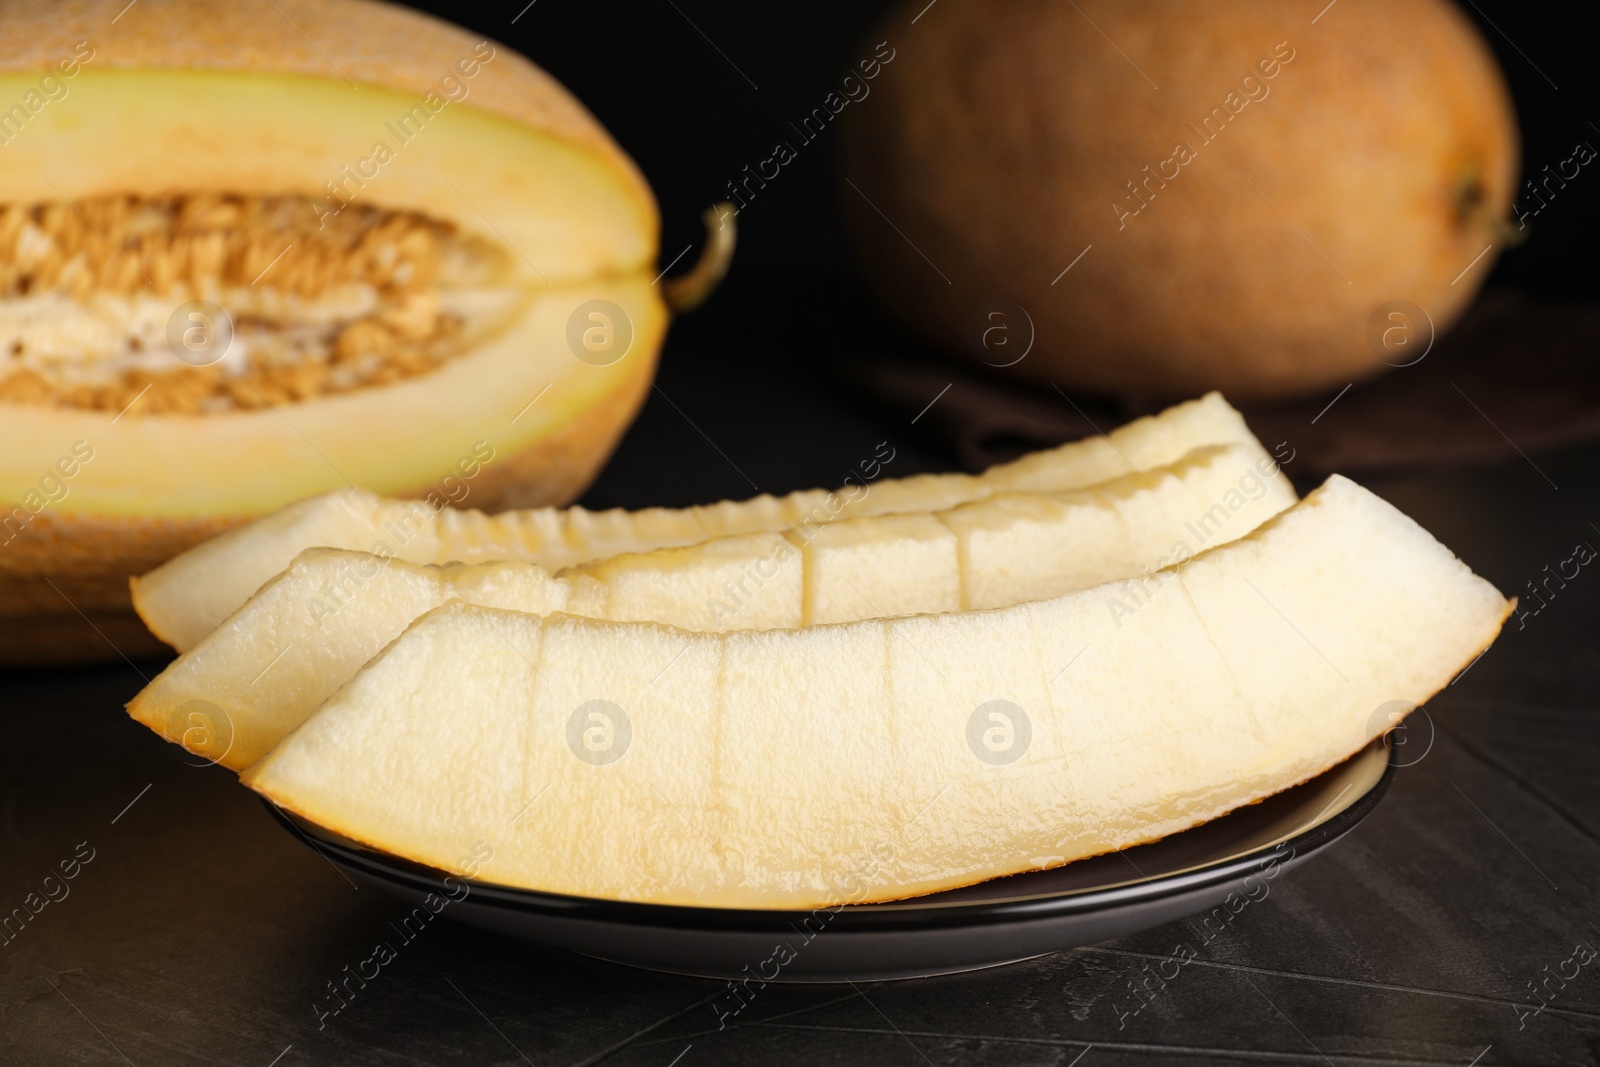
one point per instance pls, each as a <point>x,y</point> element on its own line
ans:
<point>259,675</point>
<point>188,597</point>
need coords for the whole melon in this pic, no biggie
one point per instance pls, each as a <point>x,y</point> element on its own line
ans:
<point>1171,196</point>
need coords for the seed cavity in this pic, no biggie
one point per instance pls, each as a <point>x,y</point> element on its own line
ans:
<point>371,297</point>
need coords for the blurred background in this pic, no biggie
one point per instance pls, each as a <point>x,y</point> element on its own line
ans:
<point>695,90</point>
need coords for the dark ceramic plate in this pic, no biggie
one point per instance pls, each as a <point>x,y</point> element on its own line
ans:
<point>1218,868</point>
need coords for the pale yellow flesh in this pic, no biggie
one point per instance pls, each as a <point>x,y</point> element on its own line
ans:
<point>306,632</point>
<point>568,213</point>
<point>792,768</point>
<point>412,433</point>
<point>573,224</point>
<point>188,597</point>
<point>996,551</point>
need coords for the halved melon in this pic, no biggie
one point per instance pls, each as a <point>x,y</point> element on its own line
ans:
<point>310,629</point>
<point>190,596</point>
<point>882,759</point>
<point>249,255</point>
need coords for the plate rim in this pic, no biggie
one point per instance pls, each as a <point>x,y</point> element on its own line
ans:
<point>884,916</point>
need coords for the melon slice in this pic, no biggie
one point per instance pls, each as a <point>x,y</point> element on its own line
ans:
<point>306,632</point>
<point>382,237</point>
<point>187,598</point>
<point>878,760</point>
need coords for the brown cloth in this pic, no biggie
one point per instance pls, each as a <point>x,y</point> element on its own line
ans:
<point>1513,375</point>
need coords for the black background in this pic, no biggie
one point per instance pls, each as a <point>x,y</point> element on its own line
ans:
<point>692,112</point>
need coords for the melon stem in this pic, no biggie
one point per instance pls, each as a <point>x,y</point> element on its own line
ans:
<point>689,290</point>
<point>1506,234</point>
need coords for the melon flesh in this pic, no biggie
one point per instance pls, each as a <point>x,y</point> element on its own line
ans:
<point>309,630</point>
<point>402,222</point>
<point>867,761</point>
<point>188,597</point>
<point>568,223</point>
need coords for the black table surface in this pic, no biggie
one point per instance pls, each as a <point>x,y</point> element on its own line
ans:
<point>196,931</point>
<point>202,933</point>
